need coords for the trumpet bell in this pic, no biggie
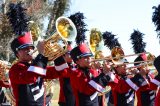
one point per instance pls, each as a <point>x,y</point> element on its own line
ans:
<point>117,55</point>
<point>150,65</point>
<point>150,57</point>
<point>66,28</point>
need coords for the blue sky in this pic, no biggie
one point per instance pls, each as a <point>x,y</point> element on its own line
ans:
<point>121,17</point>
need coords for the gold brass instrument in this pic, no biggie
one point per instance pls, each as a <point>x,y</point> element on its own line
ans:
<point>56,45</point>
<point>4,69</point>
<point>95,40</point>
<point>151,58</point>
<point>148,63</point>
<point>108,89</point>
<point>118,57</point>
<point>96,44</point>
<point>35,30</point>
<point>98,55</point>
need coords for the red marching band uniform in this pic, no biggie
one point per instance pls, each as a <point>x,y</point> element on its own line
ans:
<point>123,91</point>
<point>85,82</point>
<point>26,76</point>
<point>27,79</point>
<point>145,95</point>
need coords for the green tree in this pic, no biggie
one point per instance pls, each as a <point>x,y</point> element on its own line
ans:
<point>37,10</point>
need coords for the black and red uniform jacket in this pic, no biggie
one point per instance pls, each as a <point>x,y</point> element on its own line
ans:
<point>125,98</point>
<point>85,85</point>
<point>27,81</point>
<point>137,83</point>
<point>146,95</point>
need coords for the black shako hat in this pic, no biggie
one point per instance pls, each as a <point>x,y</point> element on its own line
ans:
<point>82,50</point>
<point>141,57</point>
<point>22,42</point>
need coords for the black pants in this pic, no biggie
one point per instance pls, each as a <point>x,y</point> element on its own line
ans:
<point>62,104</point>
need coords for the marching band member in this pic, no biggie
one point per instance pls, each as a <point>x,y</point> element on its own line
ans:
<point>95,43</point>
<point>26,76</point>
<point>125,98</point>
<point>123,92</point>
<point>66,97</point>
<point>119,71</point>
<point>84,81</point>
<point>145,96</point>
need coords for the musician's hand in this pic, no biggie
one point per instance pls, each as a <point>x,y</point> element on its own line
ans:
<point>40,47</point>
<point>143,70</point>
<point>107,67</point>
<point>96,65</point>
<point>134,71</point>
